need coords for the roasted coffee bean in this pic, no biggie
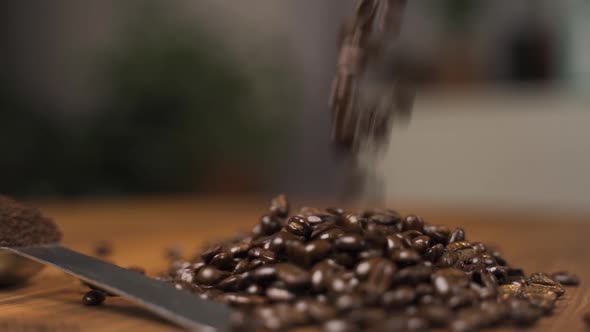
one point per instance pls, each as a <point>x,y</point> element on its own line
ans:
<point>318,249</point>
<point>255,289</point>
<point>335,211</point>
<point>320,312</point>
<point>399,297</point>
<point>385,219</point>
<point>279,294</point>
<point>437,315</point>
<point>348,301</point>
<point>434,253</point>
<point>279,241</point>
<point>298,226</point>
<point>350,242</point>
<point>541,279</point>
<point>330,234</point>
<point>396,242</point>
<point>297,254</point>
<point>208,254</point>
<point>539,297</point>
<point>411,234</point>
<point>478,247</point>
<point>449,281</point>
<point>264,274</point>
<point>345,259</point>
<point>290,317</point>
<point>421,243</point>
<point>462,298</point>
<point>565,278</point>
<point>343,282</point>
<point>239,249</point>
<point>365,317</point>
<point>414,275</point>
<point>370,253</point>
<point>241,266</point>
<point>279,206</point>
<point>448,259</point>
<point>210,276</point>
<point>438,234</point>
<point>339,325</point>
<point>455,246</point>
<point>241,300</point>
<point>270,225</point>
<point>379,277</point>
<point>406,257</point>
<point>262,254</point>
<point>322,273</point>
<point>412,222</point>
<point>364,268</point>
<point>522,312</point>
<point>93,298</point>
<point>293,276</point>
<point>499,258</point>
<point>314,220</point>
<point>222,261</point>
<point>458,235</point>
<point>234,283</point>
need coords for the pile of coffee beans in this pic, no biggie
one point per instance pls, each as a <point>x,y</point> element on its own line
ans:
<point>374,270</point>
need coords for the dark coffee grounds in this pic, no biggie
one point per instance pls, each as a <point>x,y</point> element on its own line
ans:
<point>373,270</point>
<point>22,226</point>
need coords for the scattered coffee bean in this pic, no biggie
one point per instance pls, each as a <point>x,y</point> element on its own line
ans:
<point>93,298</point>
<point>566,279</point>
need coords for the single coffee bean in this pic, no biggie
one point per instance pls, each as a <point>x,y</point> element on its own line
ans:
<point>411,234</point>
<point>93,298</point>
<point>565,278</point>
<point>458,235</point>
<point>343,282</point>
<point>314,220</point>
<point>264,274</point>
<point>352,223</point>
<point>279,206</point>
<point>296,253</point>
<point>421,243</point>
<point>241,266</point>
<point>223,261</point>
<point>449,281</point>
<point>448,259</point>
<point>234,283</point>
<point>350,242</point>
<point>339,325</point>
<point>523,313</point>
<point>380,276</point>
<point>434,253</point>
<point>262,254</point>
<point>318,249</point>
<point>208,254</point>
<point>330,234</point>
<point>279,294</point>
<point>348,301</point>
<point>414,274</point>
<point>412,222</point>
<point>239,249</point>
<point>298,226</point>
<point>438,234</point>
<point>255,289</point>
<point>541,279</point>
<point>210,276</point>
<point>293,276</point>
<point>462,298</point>
<point>242,300</point>
<point>396,242</point>
<point>406,257</point>
<point>385,219</point>
<point>335,211</point>
<point>399,297</point>
<point>322,273</point>
<point>455,246</point>
<point>270,225</point>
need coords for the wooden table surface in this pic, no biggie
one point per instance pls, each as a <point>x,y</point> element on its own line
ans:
<point>141,229</point>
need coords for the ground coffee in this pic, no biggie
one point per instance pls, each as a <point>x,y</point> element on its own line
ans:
<point>22,226</point>
<point>374,270</point>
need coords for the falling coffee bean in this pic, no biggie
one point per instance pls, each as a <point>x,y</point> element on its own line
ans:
<point>93,298</point>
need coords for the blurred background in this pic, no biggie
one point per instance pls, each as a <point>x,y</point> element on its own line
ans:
<point>114,98</point>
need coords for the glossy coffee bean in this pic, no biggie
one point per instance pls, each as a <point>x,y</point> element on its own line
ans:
<point>270,225</point>
<point>322,273</point>
<point>296,253</point>
<point>438,234</point>
<point>279,294</point>
<point>449,281</point>
<point>412,222</point>
<point>349,242</point>
<point>241,266</point>
<point>385,219</point>
<point>234,283</point>
<point>458,235</point>
<point>208,254</point>
<point>348,301</point>
<point>406,257</point>
<point>242,300</point>
<point>421,243</point>
<point>262,254</point>
<point>330,234</point>
<point>339,325</point>
<point>434,253</point>
<point>396,242</point>
<point>298,226</point>
<point>448,259</point>
<point>210,276</point>
<point>566,279</point>
<point>239,249</point>
<point>379,277</point>
<point>318,249</point>
<point>279,206</point>
<point>264,274</point>
<point>93,298</point>
<point>399,297</point>
<point>293,276</point>
<point>223,261</point>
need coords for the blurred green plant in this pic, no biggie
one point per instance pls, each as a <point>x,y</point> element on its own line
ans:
<point>177,111</point>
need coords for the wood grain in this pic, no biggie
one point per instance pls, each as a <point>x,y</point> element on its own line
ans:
<point>141,229</point>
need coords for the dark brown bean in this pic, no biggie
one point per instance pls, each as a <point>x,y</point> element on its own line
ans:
<point>239,249</point>
<point>385,219</point>
<point>262,254</point>
<point>242,300</point>
<point>399,298</point>
<point>421,243</point>
<point>270,225</point>
<point>458,235</point>
<point>322,273</point>
<point>412,222</point>
<point>380,277</point>
<point>396,242</point>
<point>330,234</point>
<point>255,289</point>
<point>223,261</point>
<point>448,281</point>
<point>406,257</point>
<point>565,278</point>
<point>208,254</point>
<point>279,294</point>
<point>438,234</point>
<point>320,312</point>
<point>434,253</point>
<point>318,249</point>
<point>348,301</point>
<point>343,282</point>
<point>448,259</point>
<point>234,283</point>
<point>350,242</point>
<point>298,226</point>
<point>264,274</point>
<point>297,254</point>
<point>279,206</point>
<point>210,276</point>
<point>541,279</point>
<point>338,325</point>
<point>293,276</point>
<point>437,315</point>
<point>93,298</point>
<point>522,312</point>
<point>462,298</point>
